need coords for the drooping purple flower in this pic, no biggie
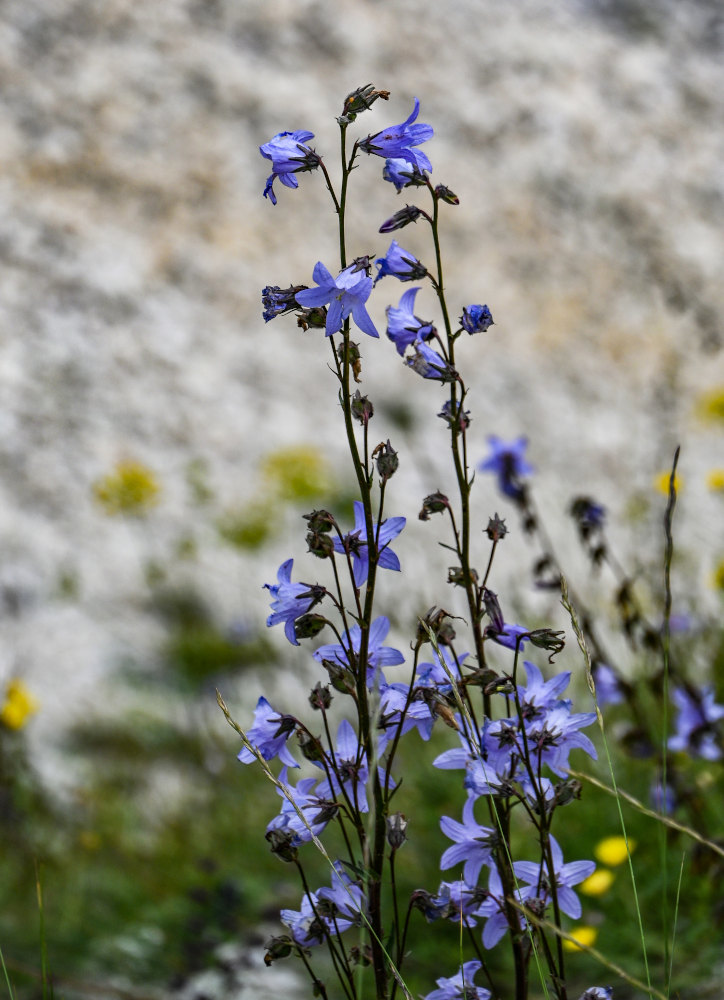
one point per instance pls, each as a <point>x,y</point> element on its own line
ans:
<point>402,173</point>
<point>347,654</point>
<point>510,636</point>
<point>539,695</point>
<point>355,542</point>
<point>493,909</point>
<point>346,294</point>
<point>460,986</point>
<point>476,319</point>
<point>277,301</point>
<point>507,461</point>
<point>552,736</point>
<point>696,730</point>
<point>473,844</point>
<point>400,263</point>
<point>290,600</point>
<point>350,764</point>
<point>437,674</point>
<point>397,141</point>
<point>317,812</point>
<point>289,155</point>
<point>597,993</point>
<point>326,911</point>
<point>269,735</point>
<point>403,327</point>
<point>428,363</point>
<point>395,700</point>
<point>539,879</point>
<point>608,687</point>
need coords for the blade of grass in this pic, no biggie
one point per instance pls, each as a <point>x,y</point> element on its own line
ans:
<point>7,977</point>
<point>673,930</point>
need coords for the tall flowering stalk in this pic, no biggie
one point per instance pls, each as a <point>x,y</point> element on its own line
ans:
<point>513,739</point>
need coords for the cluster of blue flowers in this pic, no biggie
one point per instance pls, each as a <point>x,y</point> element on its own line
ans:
<point>515,741</point>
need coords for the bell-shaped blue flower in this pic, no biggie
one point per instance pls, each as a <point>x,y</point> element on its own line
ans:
<point>289,155</point>
<point>403,327</point>
<point>346,294</point>
<point>397,141</point>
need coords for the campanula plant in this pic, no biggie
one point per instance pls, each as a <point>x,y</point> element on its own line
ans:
<point>512,730</point>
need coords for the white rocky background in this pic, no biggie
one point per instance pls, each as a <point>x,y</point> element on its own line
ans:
<point>585,142</point>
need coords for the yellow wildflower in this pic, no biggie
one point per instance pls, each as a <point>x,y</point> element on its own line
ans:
<point>612,850</point>
<point>130,489</point>
<point>715,480</point>
<point>711,405</point>
<point>718,575</point>
<point>662,483</point>
<point>597,883</point>
<point>585,935</point>
<point>297,473</point>
<point>19,705</point>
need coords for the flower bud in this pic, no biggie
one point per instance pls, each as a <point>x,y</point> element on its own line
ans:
<point>546,638</point>
<point>362,408</point>
<point>320,521</point>
<point>339,677</point>
<point>387,461</point>
<point>349,352</point>
<point>567,791</point>
<point>434,621</point>
<point>402,218</point>
<point>310,746</point>
<point>443,193</point>
<point>279,946</point>
<point>476,319</point>
<point>434,503</point>
<point>320,545</point>
<point>492,609</point>
<point>281,843</point>
<point>396,830</point>
<point>361,956</point>
<point>360,100</point>
<point>309,625</point>
<point>320,697</point>
<point>496,529</point>
<point>313,319</point>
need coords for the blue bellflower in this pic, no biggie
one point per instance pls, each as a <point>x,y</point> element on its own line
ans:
<point>356,542</point>
<point>400,263</point>
<point>507,461</point>
<point>290,601</point>
<point>402,173</point>
<point>473,843</point>
<point>346,294</point>
<point>696,733</point>
<point>403,327</point>
<point>430,364</point>
<point>377,655</point>
<point>460,986</point>
<point>539,879</point>
<point>397,141</point>
<point>269,735</point>
<point>289,155</point>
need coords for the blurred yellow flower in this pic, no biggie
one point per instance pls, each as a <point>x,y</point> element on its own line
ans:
<point>130,489</point>
<point>19,705</point>
<point>297,473</point>
<point>718,575</point>
<point>612,850</point>
<point>585,934</point>
<point>715,480</point>
<point>89,840</point>
<point>711,405</point>
<point>662,483</point>
<point>597,883</point>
